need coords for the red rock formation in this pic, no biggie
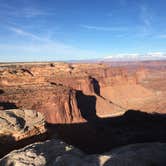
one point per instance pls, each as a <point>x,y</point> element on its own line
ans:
<point>51,88</point>
<point>57,103</point>
<point>18,124</point>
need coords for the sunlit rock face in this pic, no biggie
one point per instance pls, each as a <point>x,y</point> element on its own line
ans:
<point>56,103</point>
<point>18,124</point>
<point>94,107</point>
<point>19,127</point>
<point>53,88</point>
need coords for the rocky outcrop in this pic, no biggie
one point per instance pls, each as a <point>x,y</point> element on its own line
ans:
<point>52,152</point>
<point>20,127</point>
<point>145,154</point>
<point>19,124</point>
<point>56,152</point>
<point>57,103</point>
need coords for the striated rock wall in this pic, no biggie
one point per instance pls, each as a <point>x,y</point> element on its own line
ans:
<point>51,88</point>
<point>76,76</point>
<point>57,103</point>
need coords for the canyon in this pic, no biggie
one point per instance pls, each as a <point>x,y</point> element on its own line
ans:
<point>57,87</point>
<point>93,106</point>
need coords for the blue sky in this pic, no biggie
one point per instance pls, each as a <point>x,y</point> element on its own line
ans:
<point>40,30</point>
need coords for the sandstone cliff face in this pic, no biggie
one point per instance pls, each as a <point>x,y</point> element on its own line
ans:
<point>51,88</point>
<point>56,152</point>
<point>57,103</point>
<point>129,96</point>
<point>76,76</point>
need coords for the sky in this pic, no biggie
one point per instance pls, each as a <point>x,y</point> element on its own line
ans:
<point>58,30</point>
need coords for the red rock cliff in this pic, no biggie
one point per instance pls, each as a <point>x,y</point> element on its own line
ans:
<point>51,88</point>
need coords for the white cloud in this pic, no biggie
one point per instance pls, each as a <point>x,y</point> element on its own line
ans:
<point>123,56</point>
<point>101,28</point>
<point>43,52</point>
<point>21,32</point>
<point>157,54</point>
<point>145,16</point>
<point>25,11</point>
<point>146,21</point>
<point>32,12</point>
<point>41,49</point>
<point>163,36</point>
<point>137,56</point>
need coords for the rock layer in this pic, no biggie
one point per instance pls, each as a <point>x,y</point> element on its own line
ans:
<point>19,124</point>
<point>20,127</point>
<point>57,103</point>
<point>54,87</point>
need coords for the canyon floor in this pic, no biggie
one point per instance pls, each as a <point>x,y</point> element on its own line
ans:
<point>107,113</point>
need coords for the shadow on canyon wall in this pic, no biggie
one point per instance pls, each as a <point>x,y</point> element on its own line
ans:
<point>87,106</point>
<point>96,86</point>
<point>99,135</point>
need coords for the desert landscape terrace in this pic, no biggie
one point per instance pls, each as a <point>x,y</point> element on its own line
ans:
<point>94,107</point>
<point>82,83</point>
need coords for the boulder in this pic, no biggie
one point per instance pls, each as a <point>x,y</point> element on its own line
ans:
<point>57,153</point>
<point>54,152</point>
<point>17,124</point>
